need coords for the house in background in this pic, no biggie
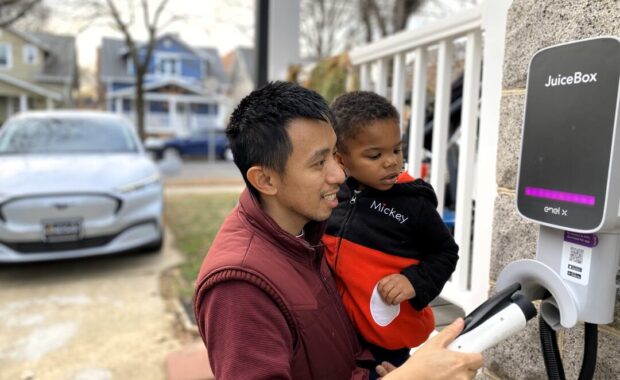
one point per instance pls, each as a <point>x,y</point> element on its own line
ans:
<point>239,65</point>
<point>37,71</point>
<point>184,86</point>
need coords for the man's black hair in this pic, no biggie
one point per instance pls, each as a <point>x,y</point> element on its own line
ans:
<point>356,110</point>
<point>257,128</point>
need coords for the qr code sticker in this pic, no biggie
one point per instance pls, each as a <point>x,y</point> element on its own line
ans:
<point>576,260</point>
<point>576,255</point>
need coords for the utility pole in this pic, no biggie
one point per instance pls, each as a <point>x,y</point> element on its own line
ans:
<point>277,39</point>
<point>261,52</point>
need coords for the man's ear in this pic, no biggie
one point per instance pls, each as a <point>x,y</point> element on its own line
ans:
<point>340,160</point>
<point>262,179</point>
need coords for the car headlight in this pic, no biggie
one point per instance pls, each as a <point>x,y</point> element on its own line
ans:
<point>137,185</point>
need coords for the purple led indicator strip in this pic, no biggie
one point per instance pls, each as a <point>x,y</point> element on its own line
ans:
<point>562,196</point>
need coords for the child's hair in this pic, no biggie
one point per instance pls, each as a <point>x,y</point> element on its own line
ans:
<point>356,110</point>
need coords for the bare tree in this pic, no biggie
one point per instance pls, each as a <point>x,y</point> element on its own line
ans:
<point>329,26</point>
<point>140,53</point>
<point>326,25</point>
<point>36,19</point>
<point>13,10</point>
<point>381,18</point>
<point>436,9</point>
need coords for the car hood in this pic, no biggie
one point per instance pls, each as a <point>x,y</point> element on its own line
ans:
<point>44,174</point>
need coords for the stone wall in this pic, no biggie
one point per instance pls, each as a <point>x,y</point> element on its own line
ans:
<point>531,26</point>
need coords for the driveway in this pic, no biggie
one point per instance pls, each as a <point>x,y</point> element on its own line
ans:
<point>89,319</point>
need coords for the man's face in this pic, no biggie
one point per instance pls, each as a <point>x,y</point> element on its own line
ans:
<point>374,157</point>
<point>307,188</point>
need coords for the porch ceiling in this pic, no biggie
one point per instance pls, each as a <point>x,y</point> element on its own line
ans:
<point>167,86</point>
<point>21,86</point>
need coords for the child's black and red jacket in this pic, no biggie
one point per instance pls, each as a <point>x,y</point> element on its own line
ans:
<point>372,234</point>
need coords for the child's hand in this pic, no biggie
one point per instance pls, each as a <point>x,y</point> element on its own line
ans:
<point>395,289</point>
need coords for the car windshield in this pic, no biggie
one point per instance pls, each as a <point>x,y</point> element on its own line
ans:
<point>66,135</point>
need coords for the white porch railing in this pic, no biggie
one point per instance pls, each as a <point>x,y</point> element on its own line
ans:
<point>201,122</point>
<point>155,122</point>
<point>476,174</point>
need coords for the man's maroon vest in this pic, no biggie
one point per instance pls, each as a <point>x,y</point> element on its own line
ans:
<point>251,247</point>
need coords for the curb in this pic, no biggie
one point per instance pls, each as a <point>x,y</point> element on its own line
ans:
<point>187,324</point>
<point>203,182</point>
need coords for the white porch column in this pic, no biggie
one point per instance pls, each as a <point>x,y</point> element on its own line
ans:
<point>494,18</point>
<point>119,105</point>
<point>418,112</point>
<point>9,106</point>
<point>49,103</point>
<point>173,121</point>
<point>23,102</point>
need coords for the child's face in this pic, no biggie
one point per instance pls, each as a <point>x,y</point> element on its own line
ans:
<point>374,157</point>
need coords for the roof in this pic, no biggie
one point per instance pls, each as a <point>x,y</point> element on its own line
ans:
<point>111,62</point>
<point>212,55</point>
<point>29,38</point>
<point>228,60</point>
<point>62,58</point>
<point>246,55</point>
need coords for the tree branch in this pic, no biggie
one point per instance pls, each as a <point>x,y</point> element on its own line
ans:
<point>21,13</point>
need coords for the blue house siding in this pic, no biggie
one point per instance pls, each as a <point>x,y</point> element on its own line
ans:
<point>173,46</point>
<point>158,106</point>
<point>188,63</point>
<point>191,68</point>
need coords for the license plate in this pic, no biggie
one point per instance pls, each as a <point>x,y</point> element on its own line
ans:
<point>62,230</point>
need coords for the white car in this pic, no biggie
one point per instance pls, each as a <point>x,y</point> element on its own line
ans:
<point>75,184</point>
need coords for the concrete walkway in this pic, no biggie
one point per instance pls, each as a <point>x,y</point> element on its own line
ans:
<point>100,318</point>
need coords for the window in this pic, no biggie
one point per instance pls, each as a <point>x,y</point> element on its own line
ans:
<point>31,54</point>
<point>6,56</point>
<point>167,64</point>
<point>130,66</point>
<point>67,135</point>
<point>206,68</point>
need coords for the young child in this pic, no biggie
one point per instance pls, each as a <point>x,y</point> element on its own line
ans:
<point>385,242</point>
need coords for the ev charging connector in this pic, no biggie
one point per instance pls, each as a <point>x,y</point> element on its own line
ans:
<point>500,317</point>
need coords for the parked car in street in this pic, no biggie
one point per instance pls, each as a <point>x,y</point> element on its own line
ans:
<point>198,144</point>
<point>75,184</point>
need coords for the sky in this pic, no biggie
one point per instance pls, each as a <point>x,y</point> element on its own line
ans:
<point>215,23</point>
<point>221,24</point>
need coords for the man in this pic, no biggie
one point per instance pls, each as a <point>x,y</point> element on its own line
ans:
<point>266,303</point>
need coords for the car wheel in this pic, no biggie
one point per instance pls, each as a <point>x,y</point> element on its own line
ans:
<point>172,154</point>
<point>228,155</point>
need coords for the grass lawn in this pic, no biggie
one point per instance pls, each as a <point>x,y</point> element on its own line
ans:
<point>194,220</point>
